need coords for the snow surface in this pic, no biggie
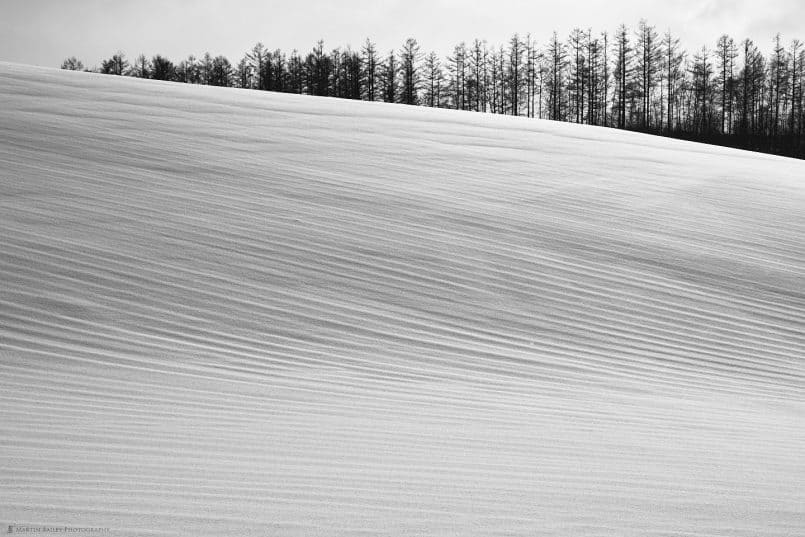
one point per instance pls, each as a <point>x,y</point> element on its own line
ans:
<point>227,312</point>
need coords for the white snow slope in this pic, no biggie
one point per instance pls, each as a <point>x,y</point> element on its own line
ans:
<point>226,312</point>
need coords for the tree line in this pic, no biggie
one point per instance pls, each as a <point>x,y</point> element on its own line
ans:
<point>731,94</point>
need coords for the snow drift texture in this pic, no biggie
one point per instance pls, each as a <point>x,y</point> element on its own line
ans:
<point>226,312</point>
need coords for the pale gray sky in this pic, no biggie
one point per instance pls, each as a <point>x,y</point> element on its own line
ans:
<point>43,32</point>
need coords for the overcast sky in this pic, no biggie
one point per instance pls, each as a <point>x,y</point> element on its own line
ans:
<point>43,32</point>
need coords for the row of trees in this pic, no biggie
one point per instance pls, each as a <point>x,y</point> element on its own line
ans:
<point>730,94</point>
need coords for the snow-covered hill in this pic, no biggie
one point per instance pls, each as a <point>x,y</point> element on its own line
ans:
<point>226,312</point>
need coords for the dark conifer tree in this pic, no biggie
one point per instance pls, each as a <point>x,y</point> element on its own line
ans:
<point>141,68</point>
<point>258,60</point>
<point>622,74</point>
<point>557,58</point>
<point>187,71</point>
<point>410,56</point>
<point>72,64</point>
<point>162,68</point>
<point>530,52</point>
<point>702,84</point>
<point>221,72</point>
<point>370,67</point>
<point>243,74</point>
<point>672,63</point>
<point>797,81</point>
<point>390,70</point>
<point>116,65</point>
<point>748,99</point>
<point>577,74</point>
<point>648,61</point>
<point>205,66</point>
<point>496,76</point>
<point>595,80</point>
<point>515,74</point>
<point>726,53</point>
<point>779,79</point>
<point>296,73</point>
<point>434,78</point>
<point>457,67</point>
<point>318,70</point>
<point>477,68</point>
<point>276,71</point>
<point>749,79</point>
